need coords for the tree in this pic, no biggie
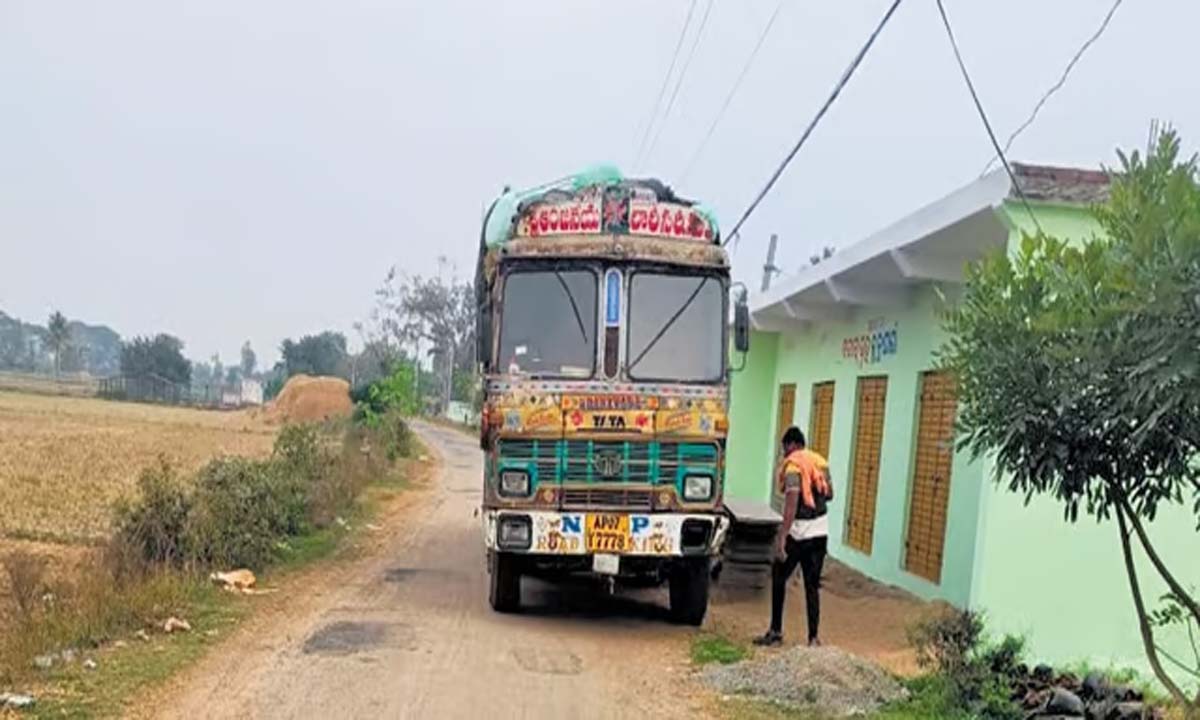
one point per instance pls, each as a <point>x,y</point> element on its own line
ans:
<point>1077,368</point>
<point>218,370</point>
<point>323,354</point>
<point>160,356</point>
<point>249,360</point>
<point>434,317</point>
<point>58,337</point>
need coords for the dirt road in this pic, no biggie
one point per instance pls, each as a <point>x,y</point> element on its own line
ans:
<point>406,632</point>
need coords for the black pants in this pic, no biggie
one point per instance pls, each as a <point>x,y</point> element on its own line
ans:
<point>810,556</point>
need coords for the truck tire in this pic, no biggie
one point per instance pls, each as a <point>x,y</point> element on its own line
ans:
<point>689,592</point>
<point>504,585</point>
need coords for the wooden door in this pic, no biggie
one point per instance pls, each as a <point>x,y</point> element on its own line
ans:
<point>821,422</point>
<point>864,473</point>
<point>783,420</point>
<point>926,538</point>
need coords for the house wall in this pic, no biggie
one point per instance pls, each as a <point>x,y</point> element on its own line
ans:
<point>816,355</point>
<point>1060,585</point>
<point>752,403</point>
<point>1063,586</point>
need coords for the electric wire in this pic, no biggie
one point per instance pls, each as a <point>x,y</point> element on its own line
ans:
<point>687,63</point>
<point>983,116</point>
<point>1058,85</point>
<point>837,89</point>
<point>662,91</point>
<point>732,92</point>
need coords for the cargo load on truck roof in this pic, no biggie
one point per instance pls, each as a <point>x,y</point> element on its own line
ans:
<point>599,201</point>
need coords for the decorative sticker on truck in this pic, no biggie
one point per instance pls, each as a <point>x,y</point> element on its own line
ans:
<point>609,422</point>
<point>612,298</point>
<point>576,216</point>
<point>579,533</point>
<point>616,211</point>
<point>688,422</point>
<point>668,220</point>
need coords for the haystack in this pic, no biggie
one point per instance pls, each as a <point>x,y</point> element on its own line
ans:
<point>308,399</point>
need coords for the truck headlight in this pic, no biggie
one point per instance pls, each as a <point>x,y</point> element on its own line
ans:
<point>515,532</point>
<point>697,487</point>
<point>514,483</point>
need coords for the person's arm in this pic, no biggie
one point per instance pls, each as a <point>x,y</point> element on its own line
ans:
<point>791,499</point>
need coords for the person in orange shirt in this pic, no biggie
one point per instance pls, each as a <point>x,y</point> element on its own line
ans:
<point>803,538</point>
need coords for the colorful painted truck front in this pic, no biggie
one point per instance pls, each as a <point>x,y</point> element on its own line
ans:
<point>603,341</point>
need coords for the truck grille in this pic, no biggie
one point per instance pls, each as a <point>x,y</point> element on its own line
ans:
<point>609,462</point>
<point>575,498</point>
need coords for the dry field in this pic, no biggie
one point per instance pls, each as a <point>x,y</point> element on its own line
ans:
<point>65,461</point>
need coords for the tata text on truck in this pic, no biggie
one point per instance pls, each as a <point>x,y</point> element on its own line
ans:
<point>603,338</point>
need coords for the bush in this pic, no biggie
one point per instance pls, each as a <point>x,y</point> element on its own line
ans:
<point>979,676</point>
<point>243,510</point>
<point>397,437</point>
<point>153,528</point>
<point>305,468</point>
<point>238,512</point>
<point>945,641</point>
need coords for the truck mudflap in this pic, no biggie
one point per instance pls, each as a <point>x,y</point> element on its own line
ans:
<point>587,533</point>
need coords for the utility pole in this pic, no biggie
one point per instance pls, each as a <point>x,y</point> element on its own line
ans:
<point>769,269</point>
<point>450,377</point>
<point>417,370</point>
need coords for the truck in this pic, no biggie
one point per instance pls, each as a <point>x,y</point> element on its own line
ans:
<point>603,338</point>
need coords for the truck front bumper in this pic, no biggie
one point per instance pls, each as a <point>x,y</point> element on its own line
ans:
<point>566,533</point>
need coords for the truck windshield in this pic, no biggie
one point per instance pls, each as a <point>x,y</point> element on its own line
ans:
<point>548,327</point>
<point>676,324</point>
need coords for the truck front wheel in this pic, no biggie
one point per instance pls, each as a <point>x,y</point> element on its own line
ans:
<point>689,591</point>
<point>504,586</point>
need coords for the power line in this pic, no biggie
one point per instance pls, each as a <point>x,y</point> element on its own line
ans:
<point>732,91</point>
<point>983,116</point>
<point>679,80</point>
<point>687,21</point>
<point>1061,81</point>
<point>837,89</point>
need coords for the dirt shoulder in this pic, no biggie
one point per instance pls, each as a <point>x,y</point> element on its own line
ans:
<point>289,597</point>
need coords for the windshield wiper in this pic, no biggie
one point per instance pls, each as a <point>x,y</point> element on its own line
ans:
<point>574,306</point>
<point>663,331</point>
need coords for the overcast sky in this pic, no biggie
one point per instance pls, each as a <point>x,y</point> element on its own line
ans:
<point>229,170</point>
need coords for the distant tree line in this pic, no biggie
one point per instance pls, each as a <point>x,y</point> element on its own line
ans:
<point>160,356</point>
<point>60,346</point>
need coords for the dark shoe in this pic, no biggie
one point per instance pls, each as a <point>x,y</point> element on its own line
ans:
<point>769,639</point>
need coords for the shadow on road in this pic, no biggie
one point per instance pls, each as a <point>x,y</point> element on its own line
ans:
<point>581,598</point>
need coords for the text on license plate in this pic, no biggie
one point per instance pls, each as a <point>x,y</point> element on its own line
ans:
<point>608,533</point>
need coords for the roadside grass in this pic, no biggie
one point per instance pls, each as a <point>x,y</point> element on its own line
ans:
<point>708,648</point>
<point>929,700</point>
<point>123,668</point>
<point>100,615</point>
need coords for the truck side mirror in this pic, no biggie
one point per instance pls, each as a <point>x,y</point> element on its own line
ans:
<point>741,326</point>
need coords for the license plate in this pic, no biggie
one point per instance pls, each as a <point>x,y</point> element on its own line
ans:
<point>606,564</point>
<point>608,533</point>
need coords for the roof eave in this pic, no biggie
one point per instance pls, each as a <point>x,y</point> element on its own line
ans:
<point>898,257</point>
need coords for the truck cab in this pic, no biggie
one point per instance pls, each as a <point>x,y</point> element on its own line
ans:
<point>603,344</point>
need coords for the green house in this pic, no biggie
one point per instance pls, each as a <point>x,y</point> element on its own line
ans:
<point>846,350</point>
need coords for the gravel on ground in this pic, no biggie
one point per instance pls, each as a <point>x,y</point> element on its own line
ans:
<point>825,680</point>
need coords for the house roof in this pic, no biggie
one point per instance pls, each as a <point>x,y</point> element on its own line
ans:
<point>932,244</point>
<point>1059,184</point>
